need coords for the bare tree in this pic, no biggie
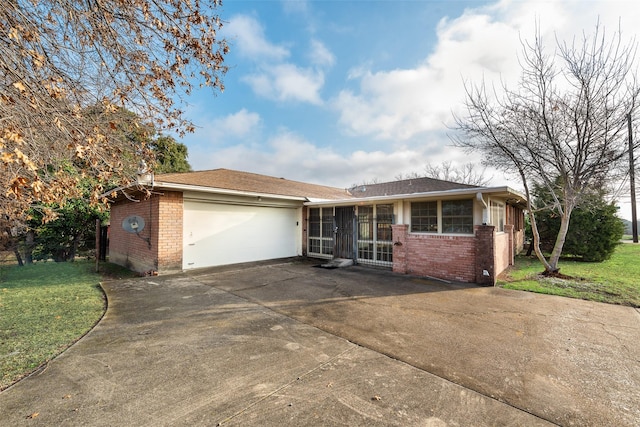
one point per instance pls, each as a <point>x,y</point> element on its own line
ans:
<point>67,70</point>
<point>465,174</point>
<point>408,175</point>
<point>563,128</point>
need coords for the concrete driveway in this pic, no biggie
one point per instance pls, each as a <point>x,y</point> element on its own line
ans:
<point>290,344</point>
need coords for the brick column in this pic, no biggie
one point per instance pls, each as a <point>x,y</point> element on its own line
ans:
<point>167,225</point>
<point>485,255</point>
<point>399,236</point>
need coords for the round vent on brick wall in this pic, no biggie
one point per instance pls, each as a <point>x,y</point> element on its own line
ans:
<point>133,224</point>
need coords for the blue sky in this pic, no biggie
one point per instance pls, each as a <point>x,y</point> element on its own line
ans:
<point>341,92</point>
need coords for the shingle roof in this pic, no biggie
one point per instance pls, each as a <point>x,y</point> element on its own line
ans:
<point>406,186</point>
<point>254,183</point>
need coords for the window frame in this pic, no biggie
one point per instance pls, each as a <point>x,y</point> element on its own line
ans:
<point>498,206</point>
<point>466,220</point>
<point>431,216</point>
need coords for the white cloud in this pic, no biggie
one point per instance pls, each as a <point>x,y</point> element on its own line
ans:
<point>239,125</point>
<point>406,106</point>
<point>288,82</point>
<point>394,105</point>
<point>296,6</point>
<point>289,155</point>
<point>275,78</point>
<point>320,55</point>
<point>247,36</point>
<point>484,42</point>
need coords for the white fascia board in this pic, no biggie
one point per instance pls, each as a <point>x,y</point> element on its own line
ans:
<point>432,194</point>
<point>311,200</point>
<point>213,190</point>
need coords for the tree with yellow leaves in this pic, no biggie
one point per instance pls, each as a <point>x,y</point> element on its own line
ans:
<point>67,71</point>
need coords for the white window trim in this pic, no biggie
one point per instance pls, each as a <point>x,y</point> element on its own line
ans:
<point>502,205</point>
<point>439,214</point>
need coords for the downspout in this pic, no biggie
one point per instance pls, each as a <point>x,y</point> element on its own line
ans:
<point>485,208</point>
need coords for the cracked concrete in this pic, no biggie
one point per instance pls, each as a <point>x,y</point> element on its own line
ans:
<point>288,344</point>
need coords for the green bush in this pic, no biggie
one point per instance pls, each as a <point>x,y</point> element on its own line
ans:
<point>594,231</point>
<point>62,239</point>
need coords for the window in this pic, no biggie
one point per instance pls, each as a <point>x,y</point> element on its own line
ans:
<point>457,216</point>
<point>447,216</point>
<point>424,217</point>
<point>497,215</point>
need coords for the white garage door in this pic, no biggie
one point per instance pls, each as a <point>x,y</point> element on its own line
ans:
<point>219,234</point>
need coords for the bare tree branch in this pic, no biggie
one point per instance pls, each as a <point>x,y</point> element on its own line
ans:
<point>68,71</point>
<point>563,127</point>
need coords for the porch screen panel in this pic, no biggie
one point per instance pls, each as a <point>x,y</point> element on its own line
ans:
<point>321,231</point>
<point>327,231</point>
<point>365,232</point>
<point>375,246</point>
<point>384,241</point>
<point>314,230</point>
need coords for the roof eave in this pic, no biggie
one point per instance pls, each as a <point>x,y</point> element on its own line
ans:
<point>434,194</point>
<point>214,190</point>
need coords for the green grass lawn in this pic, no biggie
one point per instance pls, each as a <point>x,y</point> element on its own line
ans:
<point>615,281</point>
<point>44,308</point>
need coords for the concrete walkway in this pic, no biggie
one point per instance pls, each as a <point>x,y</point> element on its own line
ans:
<point>290,344</point>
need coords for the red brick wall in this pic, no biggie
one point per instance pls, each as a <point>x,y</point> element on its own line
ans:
<point>485,255</point>
<point>399,237</point>
<point>169,235</point>
<point>128,249</point>
<point>156,248</point>
<point>458,258</point>
<point>445,257</point>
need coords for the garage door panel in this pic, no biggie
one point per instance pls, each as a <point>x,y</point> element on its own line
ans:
<point>218,234</point>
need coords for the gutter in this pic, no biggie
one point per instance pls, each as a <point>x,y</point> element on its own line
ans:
<point>411,196</point>
<point>200,189</point>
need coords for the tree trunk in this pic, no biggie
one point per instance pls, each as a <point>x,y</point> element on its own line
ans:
<point>28,248</point>
<point>18,257</point>
<point>536,242</point>
<point>562,235</point>
<point>74,248</point>
<point>534,224</point>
